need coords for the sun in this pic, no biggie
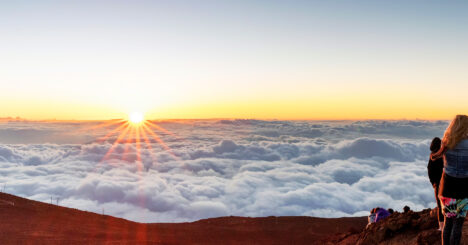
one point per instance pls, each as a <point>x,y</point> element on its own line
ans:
<point>136,117</point>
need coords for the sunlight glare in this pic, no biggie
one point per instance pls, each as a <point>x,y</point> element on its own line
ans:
<point>136,117</point>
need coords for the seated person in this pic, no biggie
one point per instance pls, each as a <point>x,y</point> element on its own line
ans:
<point>380,214</point>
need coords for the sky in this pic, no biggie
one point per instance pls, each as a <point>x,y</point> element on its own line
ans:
<point>96,60</point>
<point>212,168</point>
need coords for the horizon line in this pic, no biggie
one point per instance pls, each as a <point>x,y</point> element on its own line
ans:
<point>13,119</point>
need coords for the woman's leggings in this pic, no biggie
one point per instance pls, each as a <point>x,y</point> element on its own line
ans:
<point>451,235</point>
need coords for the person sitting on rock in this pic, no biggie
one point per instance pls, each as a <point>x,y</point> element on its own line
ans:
<point>377,214</point>
<point>380,214</point>
<point>406,209</point>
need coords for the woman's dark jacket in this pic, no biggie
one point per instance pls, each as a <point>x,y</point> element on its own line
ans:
<point>434,170</point>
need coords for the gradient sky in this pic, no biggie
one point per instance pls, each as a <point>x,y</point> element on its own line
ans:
<point>233,59</point>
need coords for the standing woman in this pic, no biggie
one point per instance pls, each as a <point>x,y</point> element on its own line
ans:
<point>453,191</point>
<point>434,170</point>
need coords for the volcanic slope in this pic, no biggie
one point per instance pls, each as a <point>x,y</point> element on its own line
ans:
<point>24,221</point>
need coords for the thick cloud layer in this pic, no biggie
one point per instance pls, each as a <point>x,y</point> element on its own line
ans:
<point>220,168</point>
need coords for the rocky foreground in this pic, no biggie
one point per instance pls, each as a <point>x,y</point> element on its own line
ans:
<point>24,221</point>
<point>402,228</point>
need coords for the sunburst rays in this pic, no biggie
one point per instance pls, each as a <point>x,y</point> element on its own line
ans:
<point>141,134</point>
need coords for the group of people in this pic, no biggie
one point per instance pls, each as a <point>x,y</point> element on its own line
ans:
<point>448,174</point>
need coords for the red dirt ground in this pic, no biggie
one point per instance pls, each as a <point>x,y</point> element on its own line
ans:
<point>24,221</point>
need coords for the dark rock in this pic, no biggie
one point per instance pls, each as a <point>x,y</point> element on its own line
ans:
<point>419,228</point>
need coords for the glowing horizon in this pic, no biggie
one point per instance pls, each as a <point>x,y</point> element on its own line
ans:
<point>260,111</point>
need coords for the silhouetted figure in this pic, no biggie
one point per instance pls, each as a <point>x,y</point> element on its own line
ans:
<point>406,209</point>
<point>434,171</point>
<point>391,211</point>
<point>453,191</point>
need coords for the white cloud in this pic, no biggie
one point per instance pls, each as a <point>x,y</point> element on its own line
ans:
<point>227,167</point>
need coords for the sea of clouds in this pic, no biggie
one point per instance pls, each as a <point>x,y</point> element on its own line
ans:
<point>222,167</point>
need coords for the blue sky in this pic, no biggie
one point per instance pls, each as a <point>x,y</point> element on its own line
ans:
<point>187,59</point>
